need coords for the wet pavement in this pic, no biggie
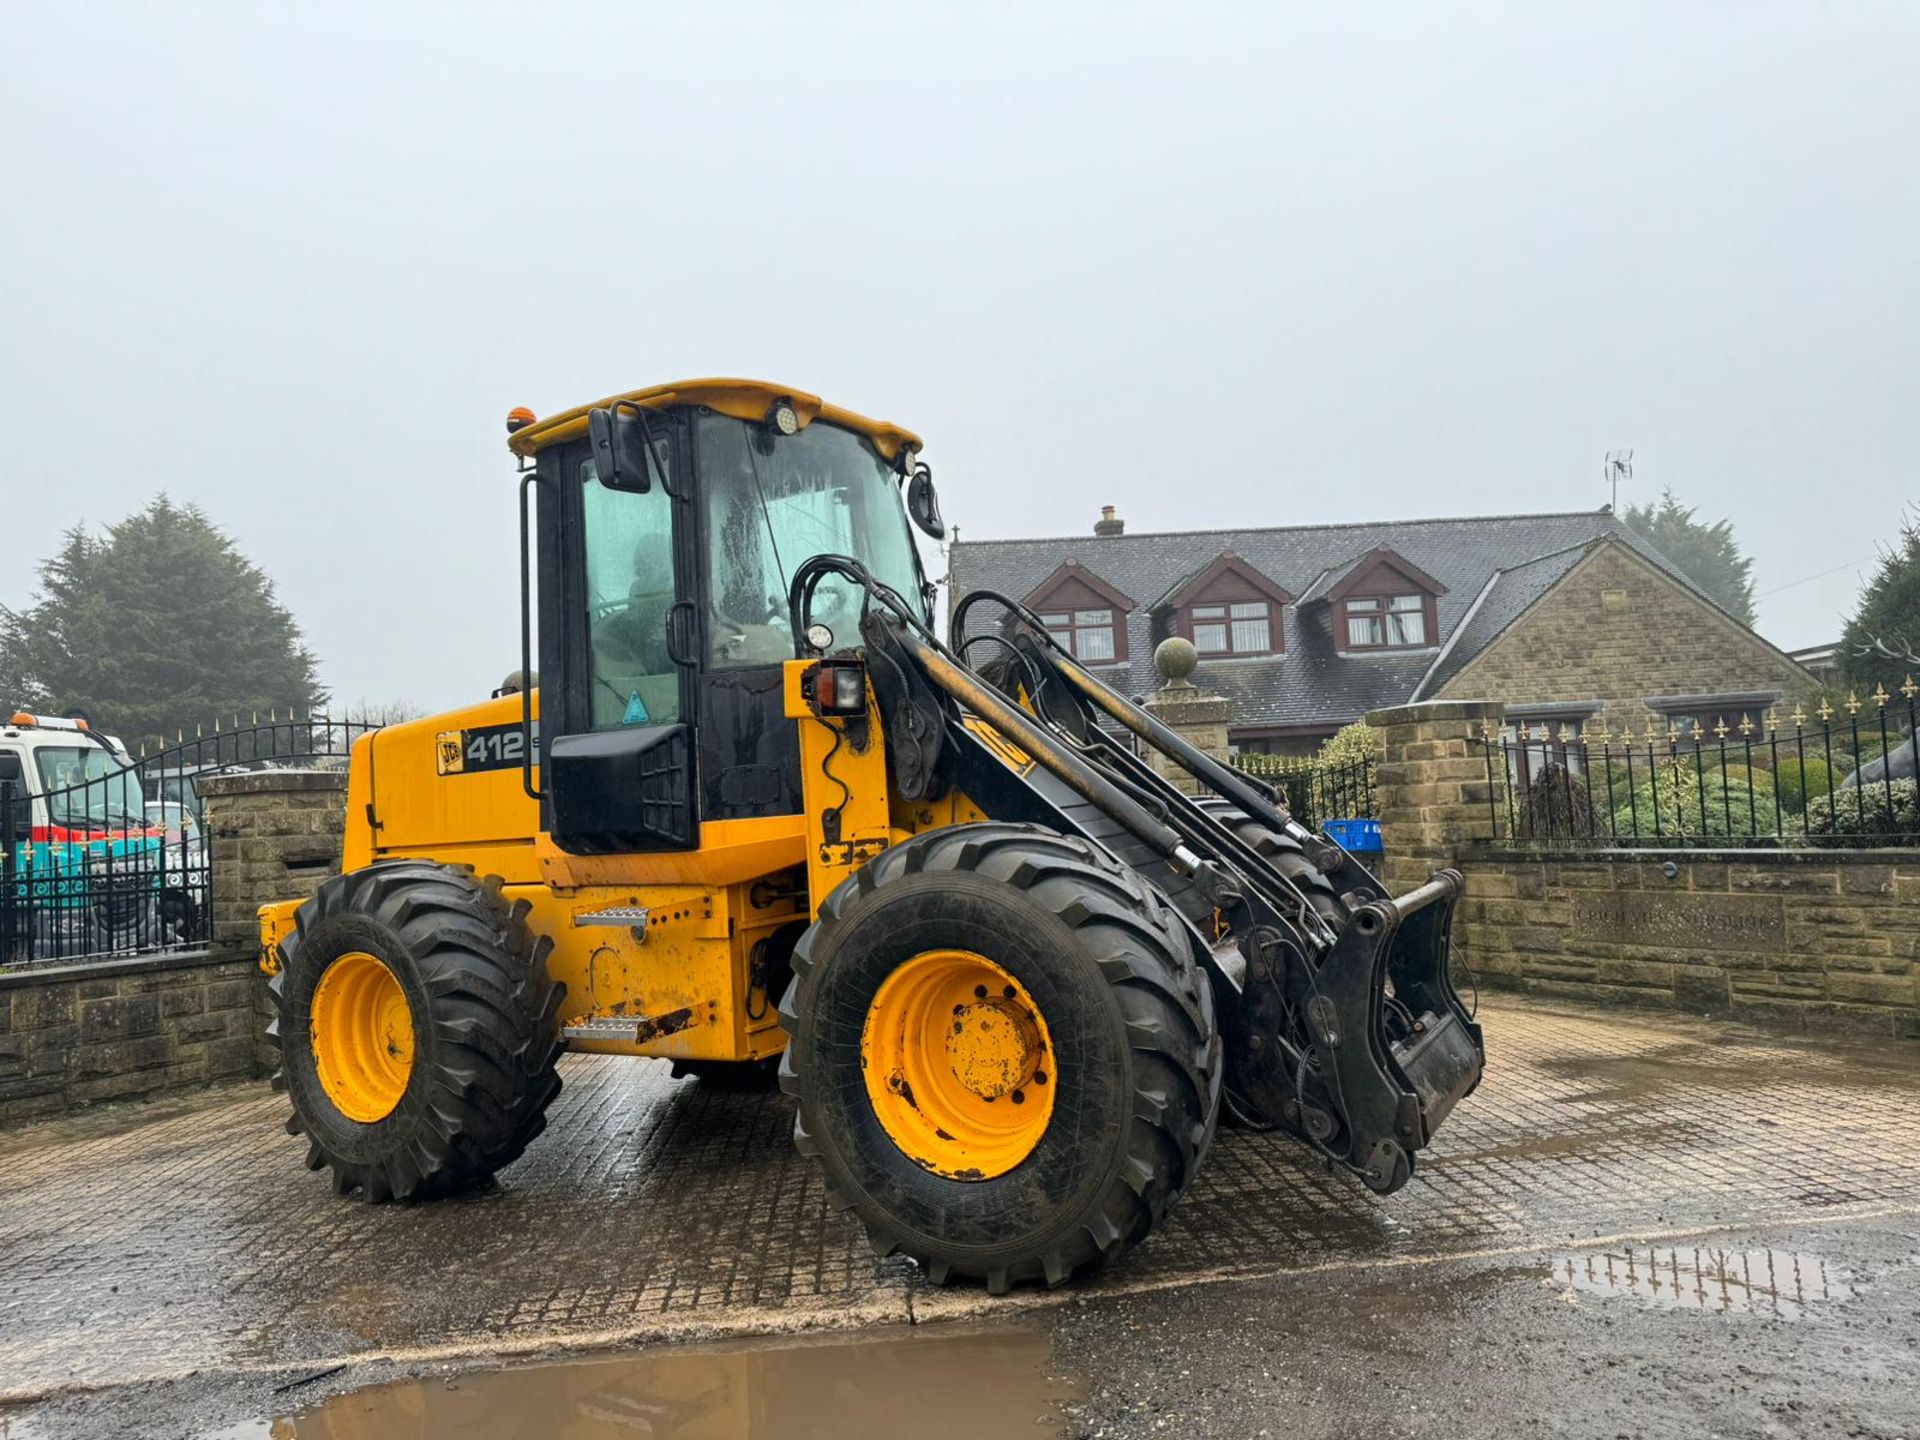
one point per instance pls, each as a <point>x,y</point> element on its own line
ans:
<point>1507,1347</point>
<point>1614,1172</point>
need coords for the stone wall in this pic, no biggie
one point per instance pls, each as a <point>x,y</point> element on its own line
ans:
<point>116,1028</point>
<point>1821,940</point>
<point>1617,629</point>
<point>1801,940</point>
<point>72,1035</point>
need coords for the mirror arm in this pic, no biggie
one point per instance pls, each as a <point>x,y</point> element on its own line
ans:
<point>646,440</point>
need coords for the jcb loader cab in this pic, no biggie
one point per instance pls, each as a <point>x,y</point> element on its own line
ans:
<point>757,812</point>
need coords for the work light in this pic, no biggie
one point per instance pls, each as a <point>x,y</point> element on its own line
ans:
<point>838,687</point>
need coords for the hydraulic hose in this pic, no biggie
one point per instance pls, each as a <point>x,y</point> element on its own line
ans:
<point>1222,779</point>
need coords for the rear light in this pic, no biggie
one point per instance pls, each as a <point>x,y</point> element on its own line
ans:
<point>838,687</point>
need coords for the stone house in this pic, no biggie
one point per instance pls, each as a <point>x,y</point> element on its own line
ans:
<point>1564,618</point>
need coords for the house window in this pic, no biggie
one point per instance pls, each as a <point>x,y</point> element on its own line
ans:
<point>1689,729</point>
<point>1087,634</point>
<point>1695,720</point>
<point>1533,744</point>
<point>1242,628</point>
<point>1389,622</point>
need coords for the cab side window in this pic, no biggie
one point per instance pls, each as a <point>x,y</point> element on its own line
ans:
<point>630,588</point>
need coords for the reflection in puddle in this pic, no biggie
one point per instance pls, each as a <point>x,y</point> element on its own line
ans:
<point>893,1384</point>
<point>1781,1283</point>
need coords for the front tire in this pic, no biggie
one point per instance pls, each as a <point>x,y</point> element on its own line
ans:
<point>418,1028</point>
<point>1062,979</point>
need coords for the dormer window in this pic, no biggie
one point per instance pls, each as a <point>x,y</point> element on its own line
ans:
<point>1243,628</point>
<point>1386,622</point>
<point>1087,634</point>
<point>1229,610</point>
<point>1381,601</point>
<point>1084,613</point>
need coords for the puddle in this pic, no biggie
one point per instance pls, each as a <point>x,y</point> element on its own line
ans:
<point>949,1386</point>
<point>1779,1283</point>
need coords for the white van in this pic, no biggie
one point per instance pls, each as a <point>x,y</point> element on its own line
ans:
<point>81,868</point>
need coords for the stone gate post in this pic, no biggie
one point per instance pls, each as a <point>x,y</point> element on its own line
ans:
<point>1432,788</point>
<point>275,835</point>
<point>1198,718</point>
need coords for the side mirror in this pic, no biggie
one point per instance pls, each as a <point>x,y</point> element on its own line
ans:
<point>619,452</point>
<point>11,771</point>
<point>924,505</point>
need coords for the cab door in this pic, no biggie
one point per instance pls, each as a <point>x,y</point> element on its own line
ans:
<point>617,752</point>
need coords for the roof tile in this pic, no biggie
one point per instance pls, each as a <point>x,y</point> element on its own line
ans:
<point>1311,682</point>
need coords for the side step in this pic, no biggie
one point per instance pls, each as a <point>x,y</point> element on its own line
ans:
<point>626,917</point>
<point>630,1029</point>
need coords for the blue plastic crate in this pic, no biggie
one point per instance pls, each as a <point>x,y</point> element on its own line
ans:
<point>1362,837</point>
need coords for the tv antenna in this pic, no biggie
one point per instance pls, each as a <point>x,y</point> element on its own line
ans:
<point>1619,466</point>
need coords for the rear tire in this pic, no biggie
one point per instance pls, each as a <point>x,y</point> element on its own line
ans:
<point>1117,996</point>
<point>459,1079</point>
<point>1285,854</point>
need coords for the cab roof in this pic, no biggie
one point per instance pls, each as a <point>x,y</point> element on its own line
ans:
<point>742,399</point>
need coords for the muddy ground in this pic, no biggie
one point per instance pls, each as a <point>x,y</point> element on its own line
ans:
<point>1640,1225</point>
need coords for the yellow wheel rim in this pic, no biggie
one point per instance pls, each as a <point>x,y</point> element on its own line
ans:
<point>959,1065</point>
<point>362,1030</point>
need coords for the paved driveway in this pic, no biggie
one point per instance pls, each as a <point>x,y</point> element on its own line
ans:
<point>147,1244</point>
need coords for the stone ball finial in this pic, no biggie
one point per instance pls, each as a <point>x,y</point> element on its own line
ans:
<point>1175,657</point>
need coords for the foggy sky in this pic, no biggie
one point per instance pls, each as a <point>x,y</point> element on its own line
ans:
<point>1212,265</point>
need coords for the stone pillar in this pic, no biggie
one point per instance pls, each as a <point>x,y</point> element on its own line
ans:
<point>276,834</point>
<point>1201,720</point>
<point>1432,786</point>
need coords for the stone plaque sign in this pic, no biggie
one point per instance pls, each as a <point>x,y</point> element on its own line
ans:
<point>1681,920</point>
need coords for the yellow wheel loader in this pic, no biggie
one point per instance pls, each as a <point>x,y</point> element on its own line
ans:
<point>757,813</point>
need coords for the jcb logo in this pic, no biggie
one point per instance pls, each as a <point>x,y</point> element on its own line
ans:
<point>450,752</point>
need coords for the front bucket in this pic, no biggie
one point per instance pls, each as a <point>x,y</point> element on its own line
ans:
<point>1392,1048</point>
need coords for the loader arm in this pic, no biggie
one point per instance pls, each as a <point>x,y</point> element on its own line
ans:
<point>1341,1021</point>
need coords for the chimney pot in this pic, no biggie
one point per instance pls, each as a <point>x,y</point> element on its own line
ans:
<point>1109,523</point>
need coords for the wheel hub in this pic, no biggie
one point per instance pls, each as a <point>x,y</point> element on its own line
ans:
<point>993,1047</point>
<point>957,1062</point>
<point>362,1030</point>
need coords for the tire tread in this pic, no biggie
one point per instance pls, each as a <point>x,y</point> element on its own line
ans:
<point>1142,951</point>
<point>494,1009</point>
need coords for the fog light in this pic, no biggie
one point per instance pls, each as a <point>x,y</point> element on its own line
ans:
<point>820,637</point>
<point>784,418</point>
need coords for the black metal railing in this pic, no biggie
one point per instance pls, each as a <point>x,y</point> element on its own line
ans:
<point>1842,776</point>
<point>104,854</point>
<point>1316,791</point>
